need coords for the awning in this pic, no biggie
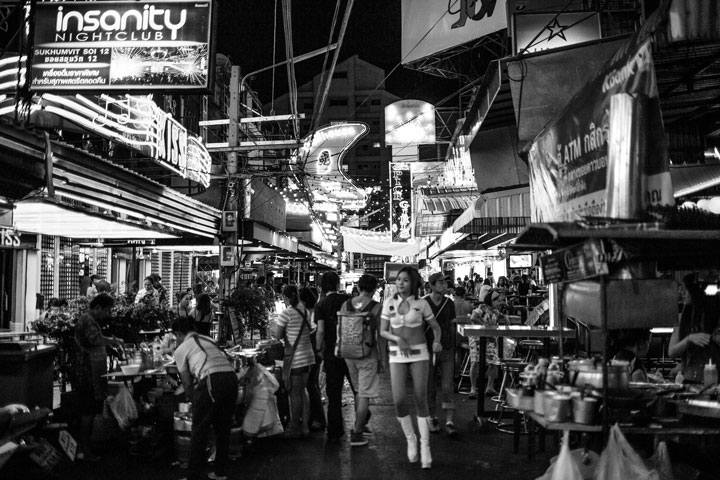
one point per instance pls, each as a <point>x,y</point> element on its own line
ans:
<point>689,179</point>
<point>506,211</point>
<point>265,239</point>
<point>96,190</point>
<point>446,199</point>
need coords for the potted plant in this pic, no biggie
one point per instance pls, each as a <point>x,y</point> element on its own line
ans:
<point>252,305</point>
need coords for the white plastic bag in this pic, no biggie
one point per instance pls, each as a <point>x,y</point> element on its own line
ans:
<point>661,462</point>
<point>565,467</point>
<point>619,460</point>
<point>123,408</point>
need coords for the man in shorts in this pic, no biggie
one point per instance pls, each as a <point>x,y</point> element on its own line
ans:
<point>364,371</point>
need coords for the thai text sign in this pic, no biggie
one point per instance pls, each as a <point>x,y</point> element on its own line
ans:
<point>138,123</point>
<point>579,262</point>
<point>572,159</point>
<point>400,201</point>
<point>121,45</point>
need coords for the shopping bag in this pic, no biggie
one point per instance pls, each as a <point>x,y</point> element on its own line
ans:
<point>565,467</point>
<point>660,461</point>
<point>123,408</point>
<point>619,460</point>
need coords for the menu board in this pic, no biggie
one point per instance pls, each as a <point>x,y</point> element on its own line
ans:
<point>121,45</point>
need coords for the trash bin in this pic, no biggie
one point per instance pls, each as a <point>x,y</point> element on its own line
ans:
<point>26,373</point>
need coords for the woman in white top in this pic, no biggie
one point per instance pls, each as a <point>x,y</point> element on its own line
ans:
<point>404,318</point>
<point>294,321</point>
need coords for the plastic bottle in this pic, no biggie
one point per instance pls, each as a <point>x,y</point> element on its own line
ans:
<point>554,374</point>
<point>710,374</point>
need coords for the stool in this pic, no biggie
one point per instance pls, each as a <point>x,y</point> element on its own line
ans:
<point>509,380</point>
<point>511,371</point>
<point>464,372</point>
<point>532,349</point>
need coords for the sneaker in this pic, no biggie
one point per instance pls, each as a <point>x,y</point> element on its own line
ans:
<point>434,425</point>
<point>215,476</point>
<point>357,439</point>
<point>450,429</point>
<point>472,395</point>
<point>366,431</point>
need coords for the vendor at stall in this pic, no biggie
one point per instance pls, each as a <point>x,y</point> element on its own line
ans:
<point>692,338</point>
<point>211,385</point>
<point>632,345</point>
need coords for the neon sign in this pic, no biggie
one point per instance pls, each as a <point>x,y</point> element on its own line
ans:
<point>322,154</point>
<point>138,123</point>
<point>400,202</point>
<point>121,45</point>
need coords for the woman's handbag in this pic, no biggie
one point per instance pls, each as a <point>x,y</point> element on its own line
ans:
<point>290,353</point>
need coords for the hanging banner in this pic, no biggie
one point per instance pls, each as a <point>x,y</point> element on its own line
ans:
<point>431,26</point>
<point>400,201</point>
<point>609,141</point>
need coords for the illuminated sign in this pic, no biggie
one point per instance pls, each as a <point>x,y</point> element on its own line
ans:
<point>400,202</point>
<point>9,238</point>
<point>138,123</point>
<point>409,122</point>
<point>535,32</point>
<point>322,154</point>
<point>121,45</point>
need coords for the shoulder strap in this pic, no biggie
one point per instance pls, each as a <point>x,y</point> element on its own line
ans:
<point>368,308</point>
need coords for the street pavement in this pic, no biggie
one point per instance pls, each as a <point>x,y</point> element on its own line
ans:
<point>472,453</point>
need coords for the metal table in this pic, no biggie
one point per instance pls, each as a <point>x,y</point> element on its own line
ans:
<point>483,332</point>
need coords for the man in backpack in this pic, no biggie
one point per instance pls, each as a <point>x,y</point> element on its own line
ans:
<point>444,310</point>
<point>335,368</point>
<point>364,371</point>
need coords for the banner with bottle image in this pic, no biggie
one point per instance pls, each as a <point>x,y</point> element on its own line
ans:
<point>605,155</point>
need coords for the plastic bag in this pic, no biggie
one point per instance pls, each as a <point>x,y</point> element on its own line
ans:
<point>661,462</point>
<point>565,468</point>
<point>123,408</point>
<point>261,416</point>
<point>620,460</point>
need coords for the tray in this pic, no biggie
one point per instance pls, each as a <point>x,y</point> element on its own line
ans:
<point>699,408</point>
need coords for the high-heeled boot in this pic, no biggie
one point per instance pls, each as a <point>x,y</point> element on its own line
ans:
<point>424,429</point>
<point>409,431</point>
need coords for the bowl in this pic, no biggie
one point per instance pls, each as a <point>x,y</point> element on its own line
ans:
<point>130,369</point>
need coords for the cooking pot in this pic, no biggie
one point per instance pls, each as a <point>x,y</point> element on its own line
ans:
<point>589,372</point>
<point>270,350</point>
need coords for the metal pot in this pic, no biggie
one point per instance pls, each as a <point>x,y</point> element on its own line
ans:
<point>589,372</point>
<point>270,350</point>
<point>584,409</point>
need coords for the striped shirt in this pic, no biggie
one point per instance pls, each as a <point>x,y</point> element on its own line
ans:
<point>292,320</point>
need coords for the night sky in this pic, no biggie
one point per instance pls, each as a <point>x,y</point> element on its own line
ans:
<point>245,33</point>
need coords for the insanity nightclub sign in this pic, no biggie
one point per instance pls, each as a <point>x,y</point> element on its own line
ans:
<point>605,155</point>
<point>140,124</point>
<point>400,201</point>
<point>121,45</point>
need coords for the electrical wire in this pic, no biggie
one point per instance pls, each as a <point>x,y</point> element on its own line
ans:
<point>272,91</point>
<point>314,120</point>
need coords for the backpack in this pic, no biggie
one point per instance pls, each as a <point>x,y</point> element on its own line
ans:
<point>355,331</point>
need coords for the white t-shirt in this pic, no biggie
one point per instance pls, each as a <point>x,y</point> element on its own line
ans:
<point>200,360</point>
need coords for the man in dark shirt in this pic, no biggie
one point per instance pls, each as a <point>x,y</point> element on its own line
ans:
<point>444,310</point>
<point>335,368</point>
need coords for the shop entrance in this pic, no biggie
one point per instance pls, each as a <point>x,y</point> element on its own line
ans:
<point>6,287</point>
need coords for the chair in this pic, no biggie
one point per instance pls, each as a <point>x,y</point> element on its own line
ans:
<point>511,368</point>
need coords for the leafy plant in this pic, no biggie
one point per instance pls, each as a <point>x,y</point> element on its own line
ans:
<point>252,305</point>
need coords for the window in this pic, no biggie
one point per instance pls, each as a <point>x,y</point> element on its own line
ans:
<point>340,75</point>
<point>338,102</point>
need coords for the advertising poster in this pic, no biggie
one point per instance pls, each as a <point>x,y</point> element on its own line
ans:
<point>400,201</point>
<point>611,129</point>
<point>121,45</point>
